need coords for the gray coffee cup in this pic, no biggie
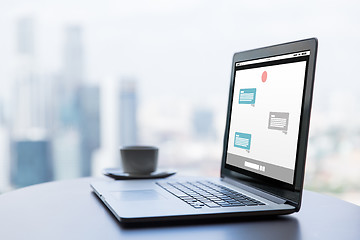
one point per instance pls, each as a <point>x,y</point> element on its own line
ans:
<point>139,159</point>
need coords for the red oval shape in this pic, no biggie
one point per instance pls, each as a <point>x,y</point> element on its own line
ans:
<point>264,76</point>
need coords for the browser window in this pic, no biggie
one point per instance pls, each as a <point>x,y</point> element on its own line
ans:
<point>265,115</point>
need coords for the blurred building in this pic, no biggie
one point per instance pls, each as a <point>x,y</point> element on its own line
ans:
<point>78,112</point>
<point>31,162</point>
<point>73,65</point>
<point>30,143</point>
<point>72,76</point>
<point>89,119</point>
<point>33,93</point>
<point>79,133</point>
<point>203,124</point>
<point>28,93</point>
<point>128,113</point>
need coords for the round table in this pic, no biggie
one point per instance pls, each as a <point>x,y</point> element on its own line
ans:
<point>70,210</point>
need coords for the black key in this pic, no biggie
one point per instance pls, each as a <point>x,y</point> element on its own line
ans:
<point>251,204</point>
<point>237,204</point>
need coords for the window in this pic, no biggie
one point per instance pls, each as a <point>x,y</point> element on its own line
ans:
<point>78,79</point>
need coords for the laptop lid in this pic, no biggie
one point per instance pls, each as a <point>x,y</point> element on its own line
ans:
<point>268,118</point>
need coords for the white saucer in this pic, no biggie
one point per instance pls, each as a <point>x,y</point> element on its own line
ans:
<point>118,174</point>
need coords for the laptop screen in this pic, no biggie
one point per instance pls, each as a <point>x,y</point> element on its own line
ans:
<point>265,115</point>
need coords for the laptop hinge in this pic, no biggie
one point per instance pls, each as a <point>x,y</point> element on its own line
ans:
<point>255,191</point>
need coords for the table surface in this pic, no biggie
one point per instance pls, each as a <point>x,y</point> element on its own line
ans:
<point>70,210</point>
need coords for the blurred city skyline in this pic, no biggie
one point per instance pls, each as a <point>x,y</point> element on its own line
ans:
<point>179,54</point>
<point>123,38</point>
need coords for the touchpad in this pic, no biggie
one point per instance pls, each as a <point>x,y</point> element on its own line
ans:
<point>136,195</point>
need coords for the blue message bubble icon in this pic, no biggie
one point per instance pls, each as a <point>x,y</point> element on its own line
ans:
<point>242,140</point>
<point>247,96</point>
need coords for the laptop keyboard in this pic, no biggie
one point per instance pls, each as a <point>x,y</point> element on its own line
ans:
<point>201,194</point>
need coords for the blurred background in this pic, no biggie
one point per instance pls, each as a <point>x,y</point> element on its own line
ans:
<point>81,78</point>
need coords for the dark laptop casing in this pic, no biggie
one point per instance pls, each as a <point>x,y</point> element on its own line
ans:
<point>290,192</point>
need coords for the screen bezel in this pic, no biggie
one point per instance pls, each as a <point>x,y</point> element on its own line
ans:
<point>291,192</point>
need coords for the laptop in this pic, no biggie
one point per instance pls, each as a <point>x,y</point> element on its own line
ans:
<point>264,147</point>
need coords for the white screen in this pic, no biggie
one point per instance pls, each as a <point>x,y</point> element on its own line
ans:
<point>265,118</point>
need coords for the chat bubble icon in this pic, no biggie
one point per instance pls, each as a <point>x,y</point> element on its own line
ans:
<point>279,121</point>
<point>247,96</point>
<point>242,140</point>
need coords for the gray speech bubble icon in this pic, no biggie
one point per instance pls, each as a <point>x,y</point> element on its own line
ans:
<point>279,121</point>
